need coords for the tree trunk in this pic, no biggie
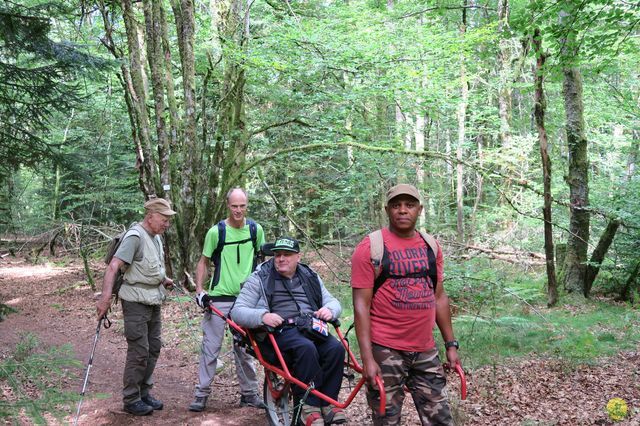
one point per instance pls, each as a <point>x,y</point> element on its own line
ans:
<point>419,137</point>
<point>606,239</point>
<point>539,111</point>
<point>504,59</point>
<point>174,121</point>
<point>137,92</point>
<point>599,253</point>
<point>128,92</point>
<point>232,127</point>
<point>578,180</point>
<point>56,191</point>
<point>155,58</point>
<point>626,295</point>
<point>462,119</point>
<point>479,189</point>
<point>189,166</point>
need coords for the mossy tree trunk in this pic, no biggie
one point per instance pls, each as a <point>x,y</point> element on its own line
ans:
<point>578,174</point>
<point>539,112</point>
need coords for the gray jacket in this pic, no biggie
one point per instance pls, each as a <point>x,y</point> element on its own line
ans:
<point>251,303</point>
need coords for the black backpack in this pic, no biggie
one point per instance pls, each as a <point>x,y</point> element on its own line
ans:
<point>217,252</point>
<point>112,248</point>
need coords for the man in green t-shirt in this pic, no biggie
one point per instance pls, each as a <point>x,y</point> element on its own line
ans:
<point>234,264</point>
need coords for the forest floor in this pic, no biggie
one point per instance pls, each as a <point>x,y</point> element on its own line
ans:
<point>56,304</point>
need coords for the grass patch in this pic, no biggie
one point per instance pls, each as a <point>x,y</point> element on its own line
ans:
<point>516,323</point>
<point>6,310</point>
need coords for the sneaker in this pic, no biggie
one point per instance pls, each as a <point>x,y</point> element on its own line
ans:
<point>138,408</point>
<point>252,401</point>
<point>198,404</point>
<point>311,415</point>
<point>333,415</point>
<point>156,404</point>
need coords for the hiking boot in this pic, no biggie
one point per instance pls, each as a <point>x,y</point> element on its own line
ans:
<point>198,404</point>
<point>333,415</point>
<point>152,402</point>
<point>252,401</point>
<point>138,408</point>
<point>311,416</point>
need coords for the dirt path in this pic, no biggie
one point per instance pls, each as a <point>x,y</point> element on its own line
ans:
<point>56,304</point>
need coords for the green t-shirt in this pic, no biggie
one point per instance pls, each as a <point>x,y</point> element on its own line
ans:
<point>236,260</point>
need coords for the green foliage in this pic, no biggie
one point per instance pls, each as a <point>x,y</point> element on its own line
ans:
<point>33,375</point>
<point>497,323</point>
<point>359,72</point>
<point>5,310</point>
<point>37,78</point>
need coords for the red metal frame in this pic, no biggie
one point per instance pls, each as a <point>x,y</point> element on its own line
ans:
<point>463,381</point>
<point>290,379</point>
<point>284,372</point>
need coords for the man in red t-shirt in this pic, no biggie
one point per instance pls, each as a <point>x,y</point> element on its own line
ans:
<point>395,325</point>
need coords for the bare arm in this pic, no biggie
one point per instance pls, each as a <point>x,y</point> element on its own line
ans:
<point>103,304</point>
<point>443,320</point>
<point>201,273</point>
<point>361,306</point>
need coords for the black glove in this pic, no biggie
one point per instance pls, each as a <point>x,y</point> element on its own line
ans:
<point>203,300</point>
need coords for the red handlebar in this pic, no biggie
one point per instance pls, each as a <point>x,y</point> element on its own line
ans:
<point>383,396</point>
<point>463,380</point>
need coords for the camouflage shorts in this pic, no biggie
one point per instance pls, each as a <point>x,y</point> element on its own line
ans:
<point>423,376</point>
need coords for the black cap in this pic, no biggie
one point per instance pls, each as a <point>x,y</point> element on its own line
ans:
<point>282,244</point>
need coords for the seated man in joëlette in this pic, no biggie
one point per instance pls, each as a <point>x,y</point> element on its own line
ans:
<point>285,294</point>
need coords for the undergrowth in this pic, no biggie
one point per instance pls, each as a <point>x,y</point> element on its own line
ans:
<point>31,377</point>
<point>500,316</point>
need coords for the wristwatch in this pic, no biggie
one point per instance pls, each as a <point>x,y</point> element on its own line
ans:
<point>452,343</point>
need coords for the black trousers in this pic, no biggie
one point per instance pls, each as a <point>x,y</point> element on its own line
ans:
<point>311,360</point>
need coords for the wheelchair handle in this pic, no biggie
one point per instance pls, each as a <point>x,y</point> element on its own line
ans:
<point>463,380</point>
<point>383,396</point>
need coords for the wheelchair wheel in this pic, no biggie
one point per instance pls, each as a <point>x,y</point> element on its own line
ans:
<point>280,410</point>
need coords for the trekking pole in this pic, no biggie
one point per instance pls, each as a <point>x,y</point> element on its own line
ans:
<point>107,323</point>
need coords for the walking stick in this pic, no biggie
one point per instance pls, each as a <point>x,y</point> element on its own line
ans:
<point>107,323</point>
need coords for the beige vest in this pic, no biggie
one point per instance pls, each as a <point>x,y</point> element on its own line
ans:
<point>143,279</point>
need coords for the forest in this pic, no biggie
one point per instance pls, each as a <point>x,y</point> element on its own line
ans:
<point>518,120</point>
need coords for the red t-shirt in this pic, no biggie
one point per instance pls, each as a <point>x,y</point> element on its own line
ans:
<point>403,310</point>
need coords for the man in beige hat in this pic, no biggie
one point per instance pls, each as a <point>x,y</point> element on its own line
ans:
<point>141,256</point>
<point>398,296</point>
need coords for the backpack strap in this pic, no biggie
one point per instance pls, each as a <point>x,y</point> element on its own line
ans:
<point>377,250</point>
<point>431,242</point>
<point>253,232</point>
<point>380,259</point>
<point>311,285</point>
<point>216,256</point>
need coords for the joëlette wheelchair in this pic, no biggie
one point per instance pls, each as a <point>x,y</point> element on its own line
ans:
<point>281,409</point>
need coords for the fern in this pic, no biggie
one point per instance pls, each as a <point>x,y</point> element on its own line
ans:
<point>32,377</point>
